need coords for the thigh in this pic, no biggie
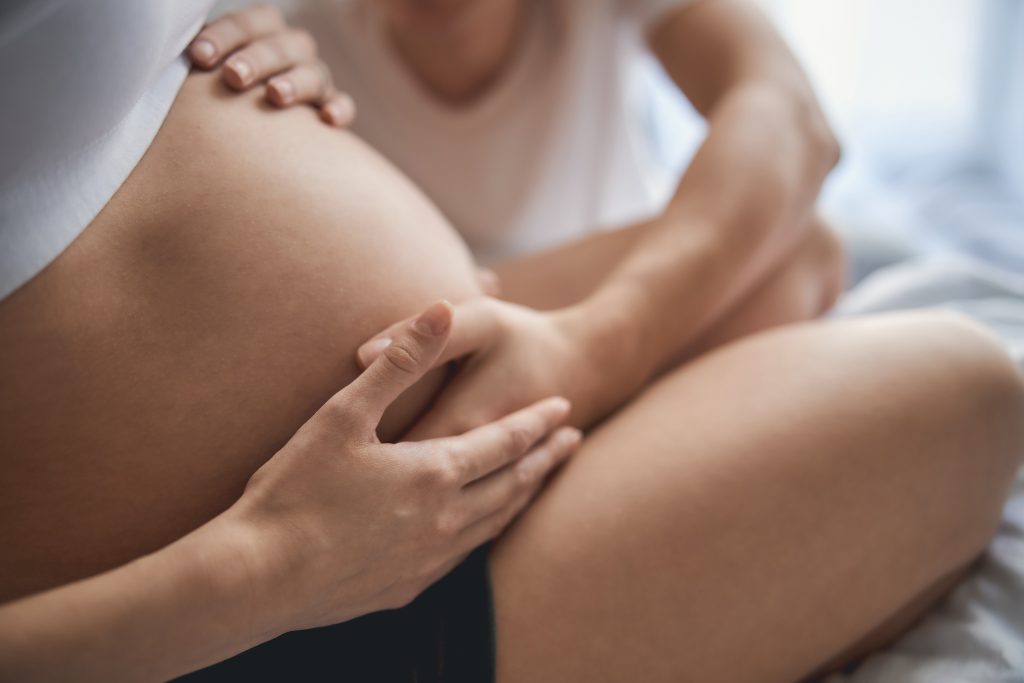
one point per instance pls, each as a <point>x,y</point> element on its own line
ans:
<point>760,509</point>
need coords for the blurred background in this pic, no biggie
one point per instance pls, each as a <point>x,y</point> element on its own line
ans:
<point>927,97</point>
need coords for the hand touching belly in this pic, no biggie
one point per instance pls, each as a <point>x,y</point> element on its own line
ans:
<point>213,305</point>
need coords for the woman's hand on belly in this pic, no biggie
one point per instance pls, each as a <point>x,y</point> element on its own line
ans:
<point>255,46</point>
<point>334,526</point>
<point>515,355</point>
<point>359,526</point>
<point>214,305</point>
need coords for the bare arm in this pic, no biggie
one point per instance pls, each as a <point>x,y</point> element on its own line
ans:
<point>160,616</point>
<point>746,200</point>
<point>744,205</point>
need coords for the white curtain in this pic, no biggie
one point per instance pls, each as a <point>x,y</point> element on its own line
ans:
<point>928,99</point>
<point>1003,91</point>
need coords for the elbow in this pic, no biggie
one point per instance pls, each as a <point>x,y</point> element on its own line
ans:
<point>811,127</point>
<point>798,113</point>
<point>826,145</point>
<point>825,150</point>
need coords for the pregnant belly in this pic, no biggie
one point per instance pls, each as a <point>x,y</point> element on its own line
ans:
<point>215,303</point>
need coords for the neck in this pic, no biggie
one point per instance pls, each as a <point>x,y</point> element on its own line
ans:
<point>459,57</point>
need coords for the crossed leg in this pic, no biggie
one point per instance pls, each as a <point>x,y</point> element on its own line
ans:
<point>756,511</point>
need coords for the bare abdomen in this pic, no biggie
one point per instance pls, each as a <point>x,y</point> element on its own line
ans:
<point>203,316</point>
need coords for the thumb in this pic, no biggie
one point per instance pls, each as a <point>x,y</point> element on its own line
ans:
<point>476,325</point>
<point>414,351</point>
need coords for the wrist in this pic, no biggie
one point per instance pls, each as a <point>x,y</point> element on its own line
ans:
<point>610,330</point>
<point>244,573</point>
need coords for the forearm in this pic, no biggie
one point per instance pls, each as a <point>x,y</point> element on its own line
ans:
<point>743,205</point>
<point>176,610</point>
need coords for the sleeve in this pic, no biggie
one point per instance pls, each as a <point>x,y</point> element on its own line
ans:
<point>645,12</point>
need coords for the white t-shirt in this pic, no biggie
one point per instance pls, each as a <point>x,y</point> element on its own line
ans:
<point>552,151</point>
<point>87,84</point>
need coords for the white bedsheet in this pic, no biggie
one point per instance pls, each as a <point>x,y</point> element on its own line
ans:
<point>976,635</point>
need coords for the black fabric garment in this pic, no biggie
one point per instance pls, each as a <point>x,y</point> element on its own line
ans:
<point>445,636</point>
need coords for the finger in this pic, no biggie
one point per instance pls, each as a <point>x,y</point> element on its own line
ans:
<point>267,56</point>
<point>492,525</point>
<point>406,360</point>
<point>223,36</point>
<point>338,109</point>
<point>304,84</point>
<point>506,486</point>
<point>486,449</point>
<point>489,282</point>
<point>474,327</point>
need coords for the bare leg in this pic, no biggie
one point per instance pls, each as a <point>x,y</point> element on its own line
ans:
<point>763,508</point>
<point>896,625</point>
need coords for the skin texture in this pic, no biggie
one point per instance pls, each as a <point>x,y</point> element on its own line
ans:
<point>683,543</point>
<point>673,502</point>
<point>187,334</point>
<point>348,525</point>
<point>193,331</point>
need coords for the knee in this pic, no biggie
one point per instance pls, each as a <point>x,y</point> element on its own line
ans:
<point>986,391</point>
<point>984,378</point>
<point>980,365</point>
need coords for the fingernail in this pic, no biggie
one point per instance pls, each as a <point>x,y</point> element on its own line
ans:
<point>283,90</point>
<point>242,70</point>
<point>435,320</point>
<point>203,51</point>
<point>369,351</point>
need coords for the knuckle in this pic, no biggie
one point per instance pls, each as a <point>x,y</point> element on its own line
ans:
<point>446,474</point>
<point>339,411</point>
<point>403,357</point>
<point>238,22</point>
<point>303,39</point>
<point>276,50</point>
<point>525,478</point>
<point>251,53</point>
<point>518,438</point>
<point>433,476</point>
<point>272,13</point>
<point>448,524</point>
<point>455,466</point>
